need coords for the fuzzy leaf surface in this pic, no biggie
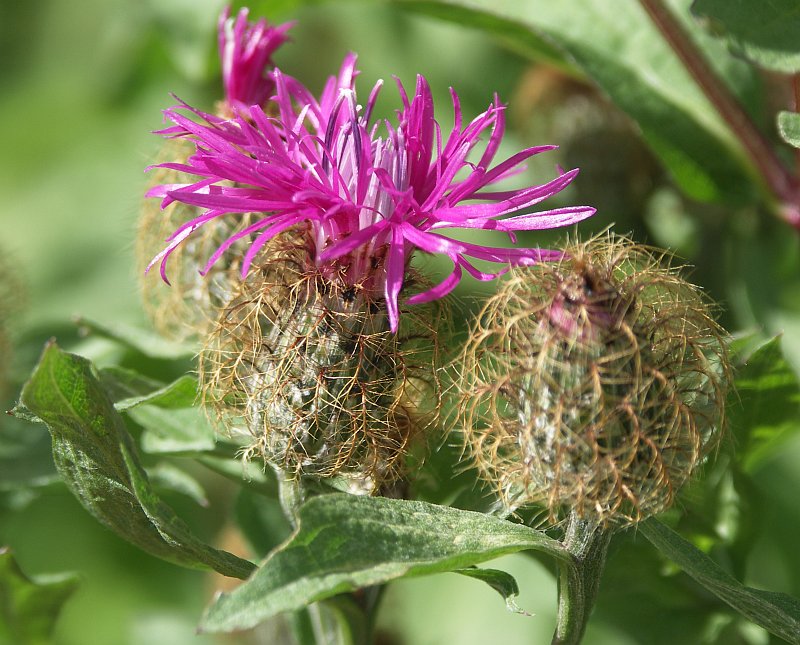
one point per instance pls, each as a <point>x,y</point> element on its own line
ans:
<point>778,613</point>
<point>95,456</point>
<point>346,542</point>
<point>765,33</point>
<point>625,55</point>
<point>29,608</point>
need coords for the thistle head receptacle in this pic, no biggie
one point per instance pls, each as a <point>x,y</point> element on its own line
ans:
<point>594,384</point>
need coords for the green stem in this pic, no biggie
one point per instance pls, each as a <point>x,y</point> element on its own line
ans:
<point>290,494</point>
<point>780,181</point>
<point>579,580</point>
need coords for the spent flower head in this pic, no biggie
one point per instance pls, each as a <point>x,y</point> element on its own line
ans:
<point>366,193</point>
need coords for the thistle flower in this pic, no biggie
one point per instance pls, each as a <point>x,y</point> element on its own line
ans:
<point>366,200</point>
<point>245,50</point>
<point>595,384</point>
<point>311,351</point>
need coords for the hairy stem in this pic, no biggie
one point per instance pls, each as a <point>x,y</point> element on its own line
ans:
<point>781,182</point>
<point>579,580</point>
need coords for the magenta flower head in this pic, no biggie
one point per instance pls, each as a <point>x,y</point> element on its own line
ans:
<point>245,49</point>
<point>368,193</point>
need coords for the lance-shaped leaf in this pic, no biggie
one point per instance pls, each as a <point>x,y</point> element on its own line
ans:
<point>621,50</point>
<point>778,613</point>
<point>345,542</point>
<point>95,456</point>
<point>29,608</point>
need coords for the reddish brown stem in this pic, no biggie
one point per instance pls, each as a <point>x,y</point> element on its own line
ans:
<point>780,181</point>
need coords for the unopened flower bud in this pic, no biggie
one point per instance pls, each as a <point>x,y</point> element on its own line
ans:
<point>595,384</point>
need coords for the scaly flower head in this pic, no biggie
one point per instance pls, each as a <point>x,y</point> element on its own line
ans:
<point>368,193</point>
<point>245,49</point>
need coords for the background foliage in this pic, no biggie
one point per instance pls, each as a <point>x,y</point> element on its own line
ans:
<point>82,86</point>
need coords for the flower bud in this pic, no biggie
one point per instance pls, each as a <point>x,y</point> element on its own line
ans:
<point>189,307</point>
<point>595,384</point>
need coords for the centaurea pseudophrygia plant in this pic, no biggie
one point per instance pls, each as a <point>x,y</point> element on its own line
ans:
<point>336,205</point>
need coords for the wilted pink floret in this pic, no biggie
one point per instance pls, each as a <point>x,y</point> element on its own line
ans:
<point>371,193</point>
<point>245,49</point>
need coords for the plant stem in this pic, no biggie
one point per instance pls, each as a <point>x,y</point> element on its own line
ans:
<point>290,495</point>
<point>579,580</point>
<point>781,182</point>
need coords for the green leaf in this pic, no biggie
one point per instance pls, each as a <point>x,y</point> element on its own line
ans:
<point>626,56</point>
<point>140,340</point>
<point>765,33</point>
<point>778,613</point>
<point>346,542</point>
<point>502,582</point>
<point>176,432</point>
<point>181,393</point>
<point>96,458</point>
<point>765,406</point>
<point>121,383</point>
<point>165,476</point>
<point>249,474</point>
<point>514,34</point>
<point>29,608</point>
<point>789,128</point>
<point>261,520</point>
<point>25,456</point>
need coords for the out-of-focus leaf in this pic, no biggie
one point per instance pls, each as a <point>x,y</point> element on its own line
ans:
<point>346,542</point>
<point>789,127</point>
<point>181,393</point>
<point>249,474</point>
<point>121,383</point>
<point>97,459</point>
<point>25,456</point>
<point>140,340</point>
<point>29,607</point>
<point>778,613</point>
<point>502,582</point>
<point>765,405</point>
<point>181,431</point>
<point>168,477</point>
<point>514,34</point>
<point>622,51</point>
<point>262,521</point>
<point>762,32</point>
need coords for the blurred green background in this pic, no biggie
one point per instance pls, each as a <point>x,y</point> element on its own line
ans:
<point>82,85</point>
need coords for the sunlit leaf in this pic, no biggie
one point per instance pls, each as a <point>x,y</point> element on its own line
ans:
<point>502,582</point>
<point>789,128</point>
<point>96,458</point>
<point>347,542</point>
